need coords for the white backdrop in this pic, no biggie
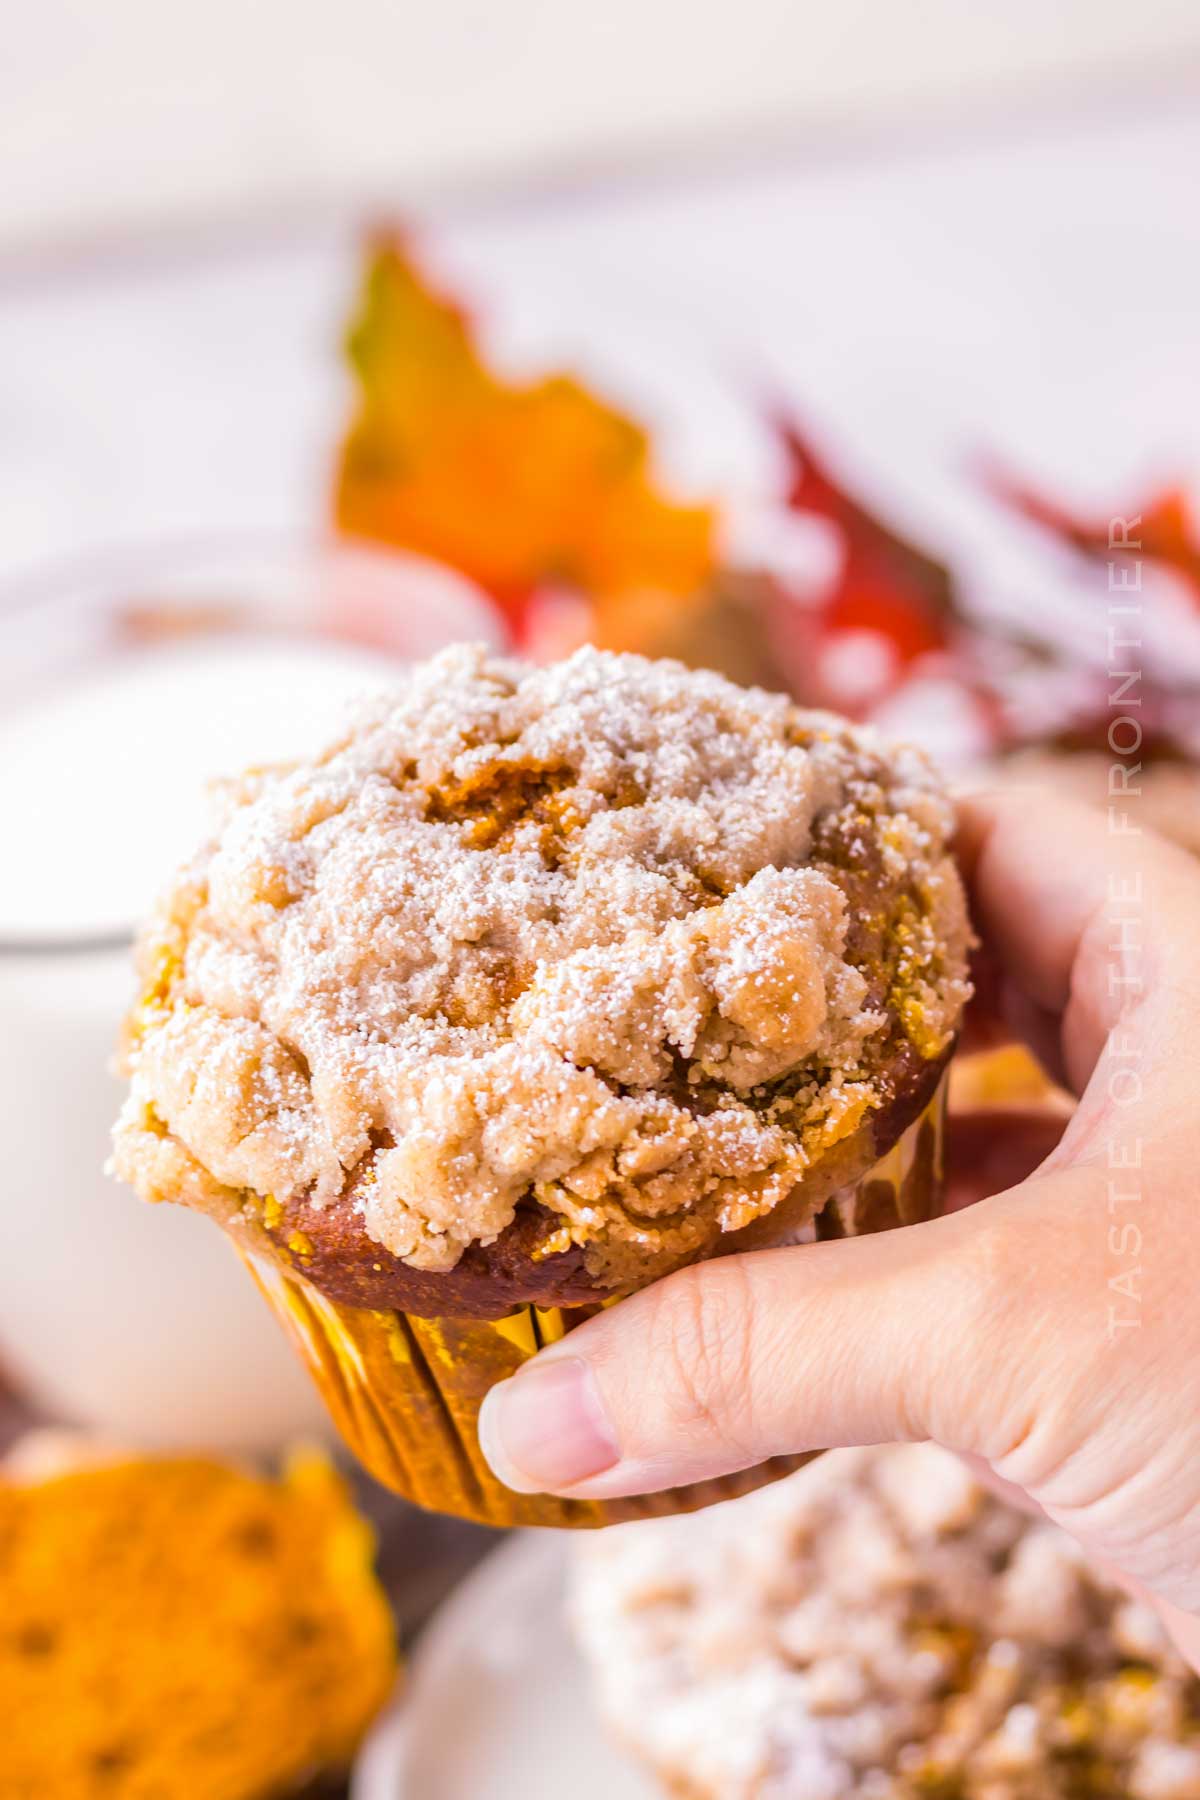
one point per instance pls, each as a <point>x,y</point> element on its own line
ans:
<point>1033,293</point>
<point>143,111</point>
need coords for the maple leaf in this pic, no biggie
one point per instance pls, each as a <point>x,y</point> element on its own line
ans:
<point>884,584</point>
<point>1164,530</point>
<point>518,486</point>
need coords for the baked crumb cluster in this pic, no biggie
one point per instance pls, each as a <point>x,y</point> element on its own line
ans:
<point>879,1628</point>
<point>613,936</point>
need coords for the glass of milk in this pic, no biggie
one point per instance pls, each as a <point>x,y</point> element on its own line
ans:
<point>124,687</point>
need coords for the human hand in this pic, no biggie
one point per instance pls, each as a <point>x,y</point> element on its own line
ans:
<point>1051,1332</point>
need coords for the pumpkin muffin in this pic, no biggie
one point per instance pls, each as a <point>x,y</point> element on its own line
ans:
<point>177,1627</point>
<point>879,1627</point>
<point>540,983</point>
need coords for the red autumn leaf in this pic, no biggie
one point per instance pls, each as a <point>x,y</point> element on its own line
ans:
<point>1164,530</point>
<point>862,601</point>
<point>885,584</point>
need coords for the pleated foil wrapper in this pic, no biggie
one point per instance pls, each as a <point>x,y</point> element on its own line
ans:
<point>405,1392</point>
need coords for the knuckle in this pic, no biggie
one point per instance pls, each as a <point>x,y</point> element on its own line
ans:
<point>977,1397</point>
<point>984,1271</point>
<point>704,1333</point>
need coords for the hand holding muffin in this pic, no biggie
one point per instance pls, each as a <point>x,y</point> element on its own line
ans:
<point>1051,1332</point>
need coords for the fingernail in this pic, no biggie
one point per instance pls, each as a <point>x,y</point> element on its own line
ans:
<point>545,1429</point>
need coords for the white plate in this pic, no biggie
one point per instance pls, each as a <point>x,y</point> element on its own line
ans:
<point>496,1705</point>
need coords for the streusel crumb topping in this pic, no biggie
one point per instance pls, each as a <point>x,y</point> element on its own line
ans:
<point>878,1627</point>
<point>612,936</point>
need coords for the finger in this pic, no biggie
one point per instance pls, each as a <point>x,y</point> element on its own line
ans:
<point>1090,921</point>
<point>1184,1627</point>
<point>743,1358</point>
<point>1008,1491</point>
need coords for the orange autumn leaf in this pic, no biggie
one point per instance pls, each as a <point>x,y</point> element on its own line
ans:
<point>1168,532</point>
<point>515,485</point>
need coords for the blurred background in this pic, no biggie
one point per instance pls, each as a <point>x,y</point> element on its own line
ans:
<point>140,115</point>
<point>890,314</point>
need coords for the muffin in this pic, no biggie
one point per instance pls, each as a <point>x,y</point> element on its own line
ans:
<point>178,1627</point>
<point>536,985</point>
<point>880,1628</point>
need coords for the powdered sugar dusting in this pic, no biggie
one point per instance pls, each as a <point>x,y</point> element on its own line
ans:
<point>556,933</point>
<point>879,1628</point>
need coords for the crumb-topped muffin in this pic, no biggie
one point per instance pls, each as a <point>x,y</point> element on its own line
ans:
<point>542,981</point>
<point>878,1627</point>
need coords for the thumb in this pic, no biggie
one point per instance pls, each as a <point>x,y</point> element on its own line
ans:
<point>747,1357</point>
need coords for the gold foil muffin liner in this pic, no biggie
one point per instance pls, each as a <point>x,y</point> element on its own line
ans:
<point>405,1392</point>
